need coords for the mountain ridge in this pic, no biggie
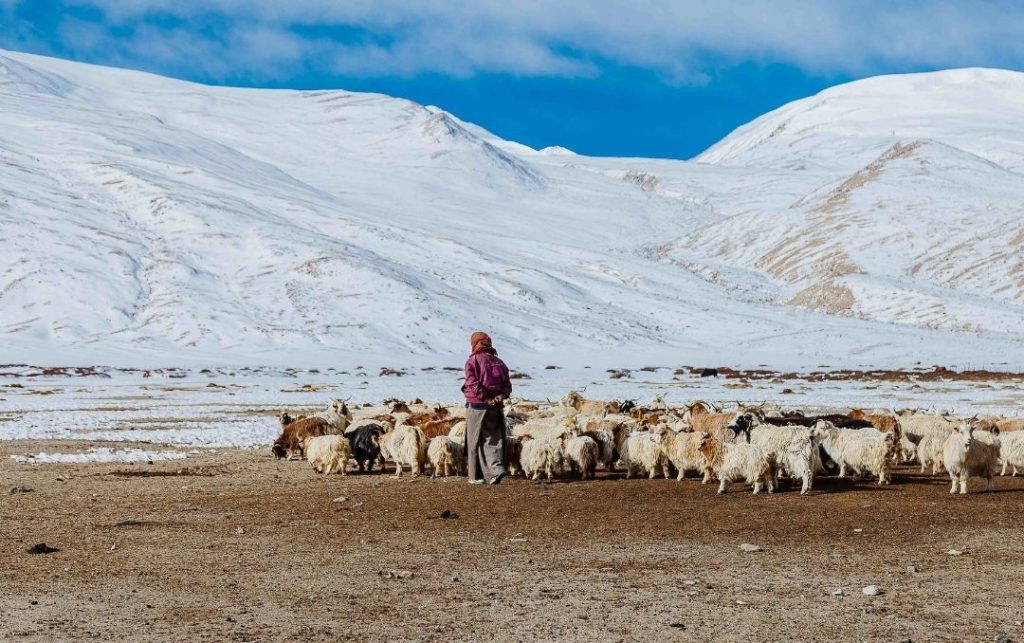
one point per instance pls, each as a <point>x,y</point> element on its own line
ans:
<point>155,219</point>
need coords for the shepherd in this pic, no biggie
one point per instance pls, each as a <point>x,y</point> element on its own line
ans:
<point>486,387</point>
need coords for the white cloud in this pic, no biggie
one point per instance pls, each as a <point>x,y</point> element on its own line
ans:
<point>676,39</point>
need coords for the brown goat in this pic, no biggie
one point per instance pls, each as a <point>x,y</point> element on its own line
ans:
<point>294,432</point>
<point>1010,424</point>
<point>701,418</point>
<point>422,419</point>
<point>439,427</point>
<point>583,406</point>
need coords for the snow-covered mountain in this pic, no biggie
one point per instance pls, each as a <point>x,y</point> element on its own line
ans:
<point>150,220</point>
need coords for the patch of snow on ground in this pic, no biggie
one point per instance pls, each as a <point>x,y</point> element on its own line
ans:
<point>102,454</point>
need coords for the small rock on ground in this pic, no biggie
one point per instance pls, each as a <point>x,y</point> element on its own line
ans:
<point>871,590</point>
<point>747,547</point>
<point>395,573</point>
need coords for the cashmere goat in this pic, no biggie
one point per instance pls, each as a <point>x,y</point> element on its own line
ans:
<point>861,450</point>
<point>447,457</point>
<point>641,451</point>
<point>407,446</point>
<point>968,452</point>
<point>364,442</point>
<point>294,432</point>
<point>583,406</point>
<point>1011,451</point>
<point>540,455</point>
<point>337,416</point>
<point>703,417</point>
<point>327,453</point>
<point>916,426</point>
<point>931,445</point>
<point>737,461</point>
<point>792,449</point>
<point>683,451</point>
<point>582,453</point>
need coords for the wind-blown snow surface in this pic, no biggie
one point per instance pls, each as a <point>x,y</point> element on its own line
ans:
<point>145,220</point>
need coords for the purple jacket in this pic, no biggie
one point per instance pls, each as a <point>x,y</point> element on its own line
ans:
<point>486,377</point>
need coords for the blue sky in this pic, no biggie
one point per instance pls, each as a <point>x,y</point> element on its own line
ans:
<point>603,77</point>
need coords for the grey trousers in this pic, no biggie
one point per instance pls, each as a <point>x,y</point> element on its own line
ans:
<point>485,442</point>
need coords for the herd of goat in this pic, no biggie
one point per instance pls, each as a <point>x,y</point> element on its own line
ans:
<point>753,444</point>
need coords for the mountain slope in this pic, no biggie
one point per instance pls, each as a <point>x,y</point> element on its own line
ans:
<point>151,220</point>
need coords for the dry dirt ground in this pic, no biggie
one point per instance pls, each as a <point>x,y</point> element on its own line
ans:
<point>235,546</point>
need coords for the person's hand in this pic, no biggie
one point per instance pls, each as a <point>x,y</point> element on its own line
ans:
<point>497,399</point>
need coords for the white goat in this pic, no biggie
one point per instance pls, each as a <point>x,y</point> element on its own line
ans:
<point>458,431</point>
<point>540,455</point>
<point>642,451</point>
<point>406,445</point>
<point>917,425</point>
<point>738,461</point>
<point>931,445</point>
<point>327,453</point>
<point>792,449</point>
<point>1011,450</point>
<point>447,457</point>
<point>683,451</point>
<point>970,453</point>
<point>337,415</point>
<point>862,450</point>
<point>908,450</point>
<point>582,453</point>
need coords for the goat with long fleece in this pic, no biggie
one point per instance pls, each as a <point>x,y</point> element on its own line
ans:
<point>643,451</point>
<point>337,415</point>
<point>540,455</point>
<point>606,452</point>
<point>862,450</point>
<point>407,445</point>
<point>918,425</point>
<point>931,446</point>
<point>703,417</point>
<point>1011,451</point>
<point>610,433</point>
<point>293,434</point>
<point>737,461</point>
<point>968,452</point>
<point>583,406</point>
<point>683,450</point>
<point>549,427</point>
<point>327,453</point>
<point>364,442</point>
<point>792,449</point>
<point>907,452</point>
<point>581,452</point>
<point>447,457</point>
<point>603,439</point>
